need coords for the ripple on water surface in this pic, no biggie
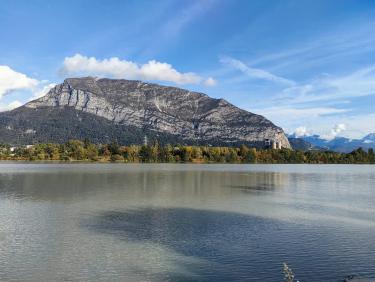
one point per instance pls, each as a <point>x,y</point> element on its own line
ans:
<point>186,223</point>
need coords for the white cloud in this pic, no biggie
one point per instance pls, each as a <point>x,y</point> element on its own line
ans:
<point>335,131</point>
<point>114,67</point>
<point>41,92</point>
<point>36,93</point>
<point>210,82</point>
<point>328,122</point>
<point>11,80</point>
<point>12,105</point>
<point>254,72</point>
<point>338,128</point>
<point>301,131</point>
<point>290,113</point>
<point>316,120</point>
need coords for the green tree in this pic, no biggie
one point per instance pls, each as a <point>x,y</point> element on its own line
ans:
<point>75,150</point>
<point>92,152</point>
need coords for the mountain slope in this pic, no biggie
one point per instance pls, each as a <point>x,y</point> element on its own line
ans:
<point>123,107</point>
<point>58,125</point>
<point>370,138</point>
<point>300,144</point>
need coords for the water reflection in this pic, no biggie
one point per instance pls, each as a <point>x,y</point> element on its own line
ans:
<point>75,186</point>
<point>90,222</point>
<point>261,181</point>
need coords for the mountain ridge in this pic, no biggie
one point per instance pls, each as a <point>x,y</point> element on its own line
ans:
<point>338,144</point>
<point>185,114</point>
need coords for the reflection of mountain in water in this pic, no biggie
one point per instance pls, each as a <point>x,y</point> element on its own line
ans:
<point>185,222</point>
<point>77,183</point>
<point>262,181</point>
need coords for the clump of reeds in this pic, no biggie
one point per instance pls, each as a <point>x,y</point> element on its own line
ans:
<point>288,273</point>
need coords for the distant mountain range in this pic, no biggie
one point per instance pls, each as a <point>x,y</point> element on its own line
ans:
<point>104,110</point>
<point>338,144</point>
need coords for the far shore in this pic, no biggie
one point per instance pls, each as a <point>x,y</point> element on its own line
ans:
<point>73,162</point>
<point>85,152</point>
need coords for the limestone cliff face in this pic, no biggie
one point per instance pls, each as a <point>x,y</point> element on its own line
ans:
<point>172,110</point>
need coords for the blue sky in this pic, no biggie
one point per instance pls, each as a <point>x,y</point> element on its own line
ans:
<point>309,66</point>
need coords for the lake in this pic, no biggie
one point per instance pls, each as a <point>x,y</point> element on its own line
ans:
<point>183,222</point>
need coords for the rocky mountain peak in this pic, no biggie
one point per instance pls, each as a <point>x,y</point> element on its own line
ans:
<point>187,114</point>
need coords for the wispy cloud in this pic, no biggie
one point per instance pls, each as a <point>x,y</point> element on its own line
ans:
<point>327,88</point>
<point>117,68</point>
<point>307,106</point>
<point>280,112</point>
<point>254,73</point>
<point>168,32</point>
<point>330,81</point>
<point>331,45</point>
<point>174,25</point>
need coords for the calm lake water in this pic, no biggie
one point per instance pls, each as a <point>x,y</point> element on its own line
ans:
<point>118,222</point>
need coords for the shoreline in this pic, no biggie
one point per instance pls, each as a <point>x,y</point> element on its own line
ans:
<point>169,163</point>
<point>86,152</point>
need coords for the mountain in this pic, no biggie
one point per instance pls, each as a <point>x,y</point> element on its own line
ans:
<point>104,110</point>
<point>370,138</point>
<point>300,144</point>
<point>339,144</point>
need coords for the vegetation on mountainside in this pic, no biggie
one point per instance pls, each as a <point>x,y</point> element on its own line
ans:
<point>75,150</point>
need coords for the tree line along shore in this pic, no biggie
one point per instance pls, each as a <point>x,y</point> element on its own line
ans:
<point>76,150</point>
